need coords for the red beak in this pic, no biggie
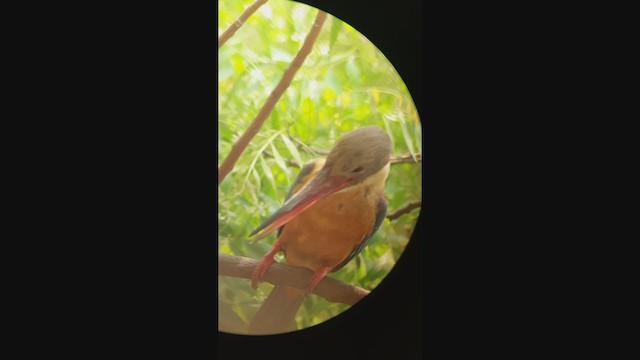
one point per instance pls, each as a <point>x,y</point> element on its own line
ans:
<point>321,186</point>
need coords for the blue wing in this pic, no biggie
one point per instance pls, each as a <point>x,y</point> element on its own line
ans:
<point>380,215</point>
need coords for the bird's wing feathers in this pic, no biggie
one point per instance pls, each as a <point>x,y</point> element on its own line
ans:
<point>381,213</point>
<point>308,172</point>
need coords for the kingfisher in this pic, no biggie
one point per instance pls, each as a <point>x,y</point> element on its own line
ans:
<point>332,211</point>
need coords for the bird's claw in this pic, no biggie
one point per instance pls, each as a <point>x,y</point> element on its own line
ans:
<point>260,270</point>
<point>263,265</point>
<point>317,277</point>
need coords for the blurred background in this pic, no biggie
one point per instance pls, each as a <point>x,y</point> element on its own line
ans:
<point>345,83</point>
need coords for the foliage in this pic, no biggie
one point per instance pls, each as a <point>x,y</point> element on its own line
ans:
<point>345,83</point>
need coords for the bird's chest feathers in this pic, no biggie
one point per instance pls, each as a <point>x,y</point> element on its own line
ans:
<point>327,232</point>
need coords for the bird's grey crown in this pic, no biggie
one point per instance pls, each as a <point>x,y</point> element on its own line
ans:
<point>360,153</point>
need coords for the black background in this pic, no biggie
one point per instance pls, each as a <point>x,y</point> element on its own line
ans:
<point>121,185</point>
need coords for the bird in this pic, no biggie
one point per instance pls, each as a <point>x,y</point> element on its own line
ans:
<point>332,211</point>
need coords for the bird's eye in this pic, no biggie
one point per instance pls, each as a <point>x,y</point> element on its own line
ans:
<point>358,170</point>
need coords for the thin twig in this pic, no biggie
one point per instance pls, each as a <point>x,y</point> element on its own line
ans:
<point>279,274</point>
<point>403,159</point>
<point>227,34</point>
<point>242,143</point>
<point>308,148</point>
<point>289,162</point>
<point>403,210</point>
<point>400,159</point>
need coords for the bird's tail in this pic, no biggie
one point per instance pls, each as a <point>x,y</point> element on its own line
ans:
<point>278,312</point>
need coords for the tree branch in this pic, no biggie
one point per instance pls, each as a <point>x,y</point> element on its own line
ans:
<point>279,274</point>
<point>309,148</point>
<point>242,143</point>
<point>403,210</point>
<point>400,159</point>
<point>406,159</point>
<point>289,162</point>
<point>227,34</point>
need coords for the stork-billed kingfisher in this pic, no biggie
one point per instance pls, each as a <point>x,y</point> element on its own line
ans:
<point>331,213</point>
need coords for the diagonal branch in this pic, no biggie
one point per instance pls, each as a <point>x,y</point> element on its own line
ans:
<point>279,274</point>
<point>403,210</point>
<point>227,34</point>
<point>242,143</point>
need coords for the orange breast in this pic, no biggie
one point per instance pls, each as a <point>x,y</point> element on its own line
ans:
<point>326,233</point>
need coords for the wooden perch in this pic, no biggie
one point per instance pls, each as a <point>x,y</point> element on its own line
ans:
<point>279,274</point>
<point>227,34</point>
<point>242,143</point>
<point>403,210</point>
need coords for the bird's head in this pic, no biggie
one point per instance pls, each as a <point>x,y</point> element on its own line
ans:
<point>356,156</point>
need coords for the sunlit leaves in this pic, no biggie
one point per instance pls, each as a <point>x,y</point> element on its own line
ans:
<point>237,63</point>
<point>279,160</point>
<point>267,172</point>
<point>281,55</point>
<point>353,70</point>
<point>334,81</point>
<point>256,157</point>
<point>336,26</point>
<point>293,150</point>
<point>407,138</point>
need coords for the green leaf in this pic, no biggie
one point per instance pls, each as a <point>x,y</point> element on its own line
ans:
<point>255,190</point>
<point>307,108</point>
<point>334,81</point>
<point>353,70</point>
<point>281,55</point>
<point>268,174</point>
<point>258,154</point>
<point>387,128</point>
<point>418,135</point>
<point>292,149</point>
<point>225,72</point>
<point>407,137</point>
<point>335,59</point>
<point>336,25</point>
<point>362,270</point>
<point>237,63</point>
<point>280,161</point>
<point>328,96</point>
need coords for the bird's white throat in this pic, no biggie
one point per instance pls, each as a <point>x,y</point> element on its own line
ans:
<point>374,182</point>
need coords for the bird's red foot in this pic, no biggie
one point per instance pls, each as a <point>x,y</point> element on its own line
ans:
<point>320,273</point>
<point>264,264</point>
